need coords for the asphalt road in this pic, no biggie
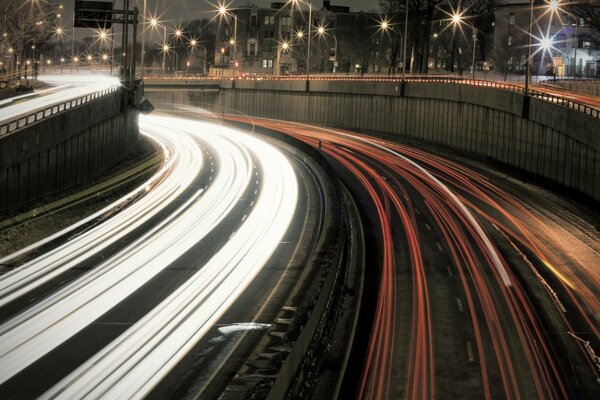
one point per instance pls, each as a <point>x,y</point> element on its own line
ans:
<point>113,309</point>
<point>475,290</point>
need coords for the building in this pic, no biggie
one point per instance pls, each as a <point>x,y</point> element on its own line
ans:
<point>264,41</point>
<point>562,44</point>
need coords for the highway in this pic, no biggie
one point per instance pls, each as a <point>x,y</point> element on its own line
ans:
<point>61,88</point>
<point>477,290</point>
<point>167,260</point>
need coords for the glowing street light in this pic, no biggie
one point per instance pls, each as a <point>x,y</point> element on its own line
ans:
<point>546,43</point>
<point>456,18</point>
<point>321,31</point>
<point>384,25</point>
<point>223,11</point>
<point>553,5</point>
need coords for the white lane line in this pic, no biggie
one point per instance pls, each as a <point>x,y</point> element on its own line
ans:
<point>460,305</point>
<point>36,331</point>
<point>166,185</point>
<point>136,361</point>
<point>470,352</point>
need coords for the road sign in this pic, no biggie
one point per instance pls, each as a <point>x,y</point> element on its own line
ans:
<point>93,14</point>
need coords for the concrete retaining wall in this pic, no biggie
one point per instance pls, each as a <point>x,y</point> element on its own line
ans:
<point>587,87</point>
<point>554,142</point>
<point>68,149</point>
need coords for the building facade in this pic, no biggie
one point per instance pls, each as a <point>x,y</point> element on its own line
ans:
<point>562,45</point>
<point>264,41</point>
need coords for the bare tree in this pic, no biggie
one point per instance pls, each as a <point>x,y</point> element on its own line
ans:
<point>357,42</point>
<point>28,26</point>
<point>422,14</point>
<point>588,10</point>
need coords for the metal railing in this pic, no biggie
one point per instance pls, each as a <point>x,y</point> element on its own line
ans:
<point>33,116</point>
<point>593,111</point>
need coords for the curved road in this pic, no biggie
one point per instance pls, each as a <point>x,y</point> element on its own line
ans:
<point>221,195</point>
<point>477,292</point>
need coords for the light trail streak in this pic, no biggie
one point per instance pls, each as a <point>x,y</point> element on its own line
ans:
<point>131,365</point>
<point>36,331</point>
<point>177,173</point>
<point>70,87</point>
<point>506,327</point>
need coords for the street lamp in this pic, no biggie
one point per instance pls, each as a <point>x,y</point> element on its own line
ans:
<point>404,45</point>
<point>528,62</point>
<point>223,11</point>
<point>385,26</point>
<point>285,46</point>
<point>165,50</point>
<point>321,31</point>
<point>457,19</point>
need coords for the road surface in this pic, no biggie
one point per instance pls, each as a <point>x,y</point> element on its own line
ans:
<point>478,291</point>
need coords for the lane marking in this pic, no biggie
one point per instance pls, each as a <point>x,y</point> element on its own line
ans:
<point>460,305</point>
<point>470,352</point>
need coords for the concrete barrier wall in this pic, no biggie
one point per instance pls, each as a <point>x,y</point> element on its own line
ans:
<point>68,149</point>
<point>587,87</point>
<point>555,142</point>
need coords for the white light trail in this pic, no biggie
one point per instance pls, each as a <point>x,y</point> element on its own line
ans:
<point>72,87</point>
<point>136,361</point>
<point>33,333</point>
<point>41,328</point>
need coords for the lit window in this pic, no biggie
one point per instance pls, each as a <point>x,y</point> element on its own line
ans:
<point>510,40</point>
<point>511,19</point>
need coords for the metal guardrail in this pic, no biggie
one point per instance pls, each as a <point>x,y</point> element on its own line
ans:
<point>562,101</point>
<point>581,107</point>
<point>32,117</point>
<point>592,111</point>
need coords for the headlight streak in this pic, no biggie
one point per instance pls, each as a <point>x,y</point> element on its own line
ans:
<point>440,181</point>
<point>71,89</point>
<point>136,361</point>
<point>41,270</point>
<point>33,333</point>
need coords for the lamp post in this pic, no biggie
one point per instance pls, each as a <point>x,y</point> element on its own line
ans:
<point>280,46</point>
<point>143,42</point>
<point>528,62</point>
<point>321,31</point>
<point>165,50</point>
<point>474,47</point>
<point>404,41</point>
<point>301,34</point>
<point>457,19</point>
<point>385,26</point>
<point>223,12</point>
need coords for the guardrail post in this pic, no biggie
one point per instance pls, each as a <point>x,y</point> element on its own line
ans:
<point>525,110</point>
